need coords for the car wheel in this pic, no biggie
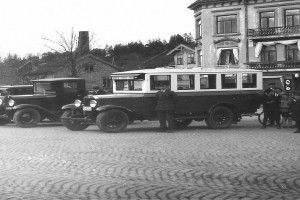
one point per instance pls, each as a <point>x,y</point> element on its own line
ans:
<point>4,122</point>
<point>112,121</point>
<point>220,117</point>
<point>73,125</point>
<point>26,118</point>
<point>182,123</point>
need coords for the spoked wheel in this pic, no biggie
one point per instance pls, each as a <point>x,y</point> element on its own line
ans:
<point>261,117</point>
<point>26,118</point>
<point>182,123</point>
<point>220,117</point>
<point>112,121</point>
<point>72,125</point>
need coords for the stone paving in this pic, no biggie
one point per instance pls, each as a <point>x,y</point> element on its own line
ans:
<point>243,162</point>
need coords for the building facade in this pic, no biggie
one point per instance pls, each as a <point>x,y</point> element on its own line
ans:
<point>259,34</point>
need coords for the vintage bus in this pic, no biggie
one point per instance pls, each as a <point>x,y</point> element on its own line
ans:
<point>218,96</point>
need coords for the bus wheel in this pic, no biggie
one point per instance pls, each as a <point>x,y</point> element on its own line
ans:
<point>220,117</point>
<point>27,117</point>
<point>72,124</point>
<point>182,123</point>
<point>112,121</point>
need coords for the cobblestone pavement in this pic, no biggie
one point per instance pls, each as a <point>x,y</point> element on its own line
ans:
<point>243,162</point>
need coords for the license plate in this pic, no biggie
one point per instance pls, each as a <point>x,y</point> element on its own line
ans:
<point>87,108</point>
<point>9,108</point>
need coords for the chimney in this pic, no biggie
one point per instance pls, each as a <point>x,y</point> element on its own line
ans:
<point>83,42</point>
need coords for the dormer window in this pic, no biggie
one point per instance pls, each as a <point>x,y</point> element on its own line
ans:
<point>191,58</point>
<point>179,60</point>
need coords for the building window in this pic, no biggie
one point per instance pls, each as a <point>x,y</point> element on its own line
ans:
<point>191,58</point>
<point>89,67</point>
<point>227,24</point>
<point>199,28</point>
<point>292,17</point>
<point>292,53</point>
<point>199,58</point>
<point>268,54</point>
<point>185,82</point>
<point>267,19</point>
<point>106,82</point>
<point>179,60</point>
<point>227,57</point>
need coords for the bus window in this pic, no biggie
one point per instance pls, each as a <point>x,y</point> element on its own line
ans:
<point>158,81</point>
<point>208,81</point>
<point>185,82</point>
<point>228,81</point>
<point>249,80</point>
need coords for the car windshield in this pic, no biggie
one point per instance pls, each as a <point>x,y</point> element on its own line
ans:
<point>3,92</point>
<point>43,87</point>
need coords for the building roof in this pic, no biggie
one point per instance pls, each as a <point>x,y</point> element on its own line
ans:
<point>181,47</point>
<point>57,79</point>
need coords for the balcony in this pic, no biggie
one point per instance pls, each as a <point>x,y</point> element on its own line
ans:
<point>288,31</point>
<point>276,66</point>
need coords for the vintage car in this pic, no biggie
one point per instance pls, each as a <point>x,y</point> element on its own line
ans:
<point>15,89</point>
<point>46,101</point>
<point>218,96</point>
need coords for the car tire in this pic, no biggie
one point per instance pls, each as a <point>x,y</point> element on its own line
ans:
<point>72,125</point>
<point>26,118</point>
<point>220,117</point>
<point>182,123</point>
<point>112,121</point>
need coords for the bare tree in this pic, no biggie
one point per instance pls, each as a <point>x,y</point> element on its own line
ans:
<point>68,46</point>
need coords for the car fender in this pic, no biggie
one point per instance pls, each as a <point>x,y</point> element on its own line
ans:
<point>229,105</point>
<point>129,112</point>
<point>40,109</point>
<point>69,106</point>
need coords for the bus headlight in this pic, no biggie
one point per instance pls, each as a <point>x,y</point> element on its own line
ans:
<point>77,103</point>
<point>11,102</point>
<point>93,103</point>
<point>1,101</point>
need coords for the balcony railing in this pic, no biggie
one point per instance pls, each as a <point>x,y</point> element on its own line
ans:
<point>274,31</point>
<point>281,65</point>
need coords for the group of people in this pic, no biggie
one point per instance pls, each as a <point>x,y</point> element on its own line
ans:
<point>280,109</point>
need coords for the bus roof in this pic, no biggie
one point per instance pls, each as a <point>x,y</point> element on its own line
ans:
<point>180,70</point>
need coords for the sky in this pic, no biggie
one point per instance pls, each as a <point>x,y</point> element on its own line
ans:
<point>24,23</point>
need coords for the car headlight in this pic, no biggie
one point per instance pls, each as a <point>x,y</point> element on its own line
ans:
<point>11,102</point>
<point>93,103</point>
<point>1,101</point>
<point>77,103</point>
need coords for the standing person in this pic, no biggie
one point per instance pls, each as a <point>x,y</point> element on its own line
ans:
<point>268,105</point>
<point>276,112</point>
<point>271,114</point>
<point>166,103</point>
<point>285,110</point>
<point>296,113</point>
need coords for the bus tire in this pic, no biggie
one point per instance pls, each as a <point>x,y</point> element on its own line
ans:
<point>112,121</point>
<point>27,117</point>
<point>220,117</point>
<point>182,123</point>
<point>72,124</point>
